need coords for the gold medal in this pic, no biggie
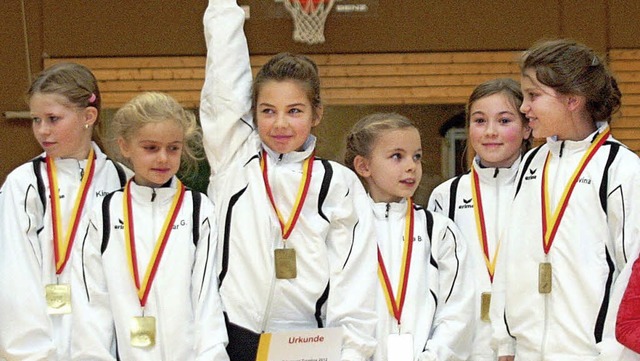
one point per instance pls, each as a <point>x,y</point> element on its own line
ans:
<point>58,299</point>
<point>485,304</point>
<point>285,259</point>
<point>544,277</point>
<point>143,331</point>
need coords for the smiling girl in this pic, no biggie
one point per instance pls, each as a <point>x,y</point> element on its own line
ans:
<point>294,253</point>
<point>572,233</point>
<point>499,135</point>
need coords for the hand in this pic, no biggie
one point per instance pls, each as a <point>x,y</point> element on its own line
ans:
<point>506,358</point>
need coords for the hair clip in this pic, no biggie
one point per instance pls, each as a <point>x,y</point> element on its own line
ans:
<point>595,61</point>
<point>92,98</point>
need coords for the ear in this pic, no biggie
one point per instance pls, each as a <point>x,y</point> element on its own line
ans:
<point>319,111</point>
<point>90,115</point>
<point>124,147</point>
<point>361,166</point>
<point>575,102</point>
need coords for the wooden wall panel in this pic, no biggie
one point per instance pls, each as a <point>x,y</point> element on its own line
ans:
<point>414,78</point>
<point>626,125</point>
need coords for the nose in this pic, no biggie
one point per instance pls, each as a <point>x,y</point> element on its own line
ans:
<point>280,120</point>
<point>524,107</point>
<point>492,128</point>
<point>162,156</point>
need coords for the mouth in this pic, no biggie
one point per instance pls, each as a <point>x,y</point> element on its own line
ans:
<point>409,181</point>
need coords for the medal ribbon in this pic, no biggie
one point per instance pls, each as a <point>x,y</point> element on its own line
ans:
<point>62,245</point>
<point>394,304</point>
<point>307,167</point>
<point>481,226</point>
<point>549,233</point>
<point>161,242</point>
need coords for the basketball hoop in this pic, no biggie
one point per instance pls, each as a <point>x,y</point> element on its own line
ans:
<point>308,19</point>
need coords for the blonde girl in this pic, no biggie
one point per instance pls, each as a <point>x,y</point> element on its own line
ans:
<point>424,294</point>
<point>478,201</point>
<point>42,203</point>
<point>145,273</point>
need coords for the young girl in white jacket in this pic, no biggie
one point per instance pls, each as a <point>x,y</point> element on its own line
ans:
<point>478,201</point>
<point>42,203</point>
<point>273,196</point>
<point>425,291</point>
<point>144,273</point>
<point>568,248</point>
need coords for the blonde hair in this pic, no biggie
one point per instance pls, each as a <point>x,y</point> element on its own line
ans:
<point>364,133</point>
<point>156,107</point>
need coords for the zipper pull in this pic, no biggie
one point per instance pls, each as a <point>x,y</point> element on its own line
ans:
<point>153,194</point>
<point>386,212</point>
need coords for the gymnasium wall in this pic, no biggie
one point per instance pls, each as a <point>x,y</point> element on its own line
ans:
<point>444,30</point>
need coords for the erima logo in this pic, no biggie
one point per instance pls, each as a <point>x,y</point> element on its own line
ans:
<point>119,226</point>
<point>532,174</point>
<point>584,180</point>
<point>467,203</point>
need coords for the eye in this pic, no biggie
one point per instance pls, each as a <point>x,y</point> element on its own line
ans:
<point>36,120</point>
<point>175,148</point>
<point>150,148</point>
<point>396,156</point>
<point>505,120</point>
<point>478,120</point>
<point>417,157</point>
<point>54,118</point>
<point>267,111</point>
<point>295,111</point>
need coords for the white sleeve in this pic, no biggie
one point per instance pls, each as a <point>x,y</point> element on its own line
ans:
<point>351,245</point>
<point>623,247</point>
<point>92,330</point>
<point>211,333</point>
<point>453,323</point>
<point>26,332</point>
<point>226,95</point>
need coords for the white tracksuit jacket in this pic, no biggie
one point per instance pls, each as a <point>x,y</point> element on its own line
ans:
<point>27,261</point>
<point>496,189</point>
<point>335,247</point>
<point>438,310</point>
<point>591,256</point>
<point>183,297</point>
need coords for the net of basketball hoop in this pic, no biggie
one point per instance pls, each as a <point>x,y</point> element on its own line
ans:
<point>309,17</point>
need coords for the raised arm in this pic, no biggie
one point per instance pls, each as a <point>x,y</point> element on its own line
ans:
<point>225,102</point>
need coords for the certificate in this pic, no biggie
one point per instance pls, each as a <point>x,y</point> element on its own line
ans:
<point>322,344</point>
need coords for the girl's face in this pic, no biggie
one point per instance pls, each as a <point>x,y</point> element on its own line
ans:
<point>393,170</point>
<point>496,130</point>
<point>154,152</point>
<point>547,110</point>
<point>285,115</point>
<point>59,126</point>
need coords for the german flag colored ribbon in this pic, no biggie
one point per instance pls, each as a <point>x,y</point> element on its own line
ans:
<point>62,245</point>
<point>396,304</point>
<point>161,242</point>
